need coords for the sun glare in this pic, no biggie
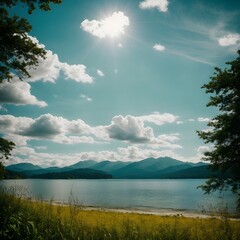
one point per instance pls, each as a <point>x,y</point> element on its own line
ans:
<point>113,26</point>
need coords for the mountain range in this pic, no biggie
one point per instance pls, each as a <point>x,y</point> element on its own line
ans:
<point>150,168</point>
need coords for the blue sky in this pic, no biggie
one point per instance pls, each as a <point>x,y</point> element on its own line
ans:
<point>121,81</point>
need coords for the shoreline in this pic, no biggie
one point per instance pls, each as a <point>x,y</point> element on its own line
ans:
<point>163,212</point>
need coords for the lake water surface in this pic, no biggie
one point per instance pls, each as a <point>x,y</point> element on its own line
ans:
<point>128,194</point>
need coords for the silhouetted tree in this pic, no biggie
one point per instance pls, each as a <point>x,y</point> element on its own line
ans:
<point>18,50</point>
<point>224,134</point>
<point>5,151</point>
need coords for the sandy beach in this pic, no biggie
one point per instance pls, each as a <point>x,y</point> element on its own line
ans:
<point>158,212</point>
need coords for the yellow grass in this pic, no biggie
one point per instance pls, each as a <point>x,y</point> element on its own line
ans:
<point>195,228</point>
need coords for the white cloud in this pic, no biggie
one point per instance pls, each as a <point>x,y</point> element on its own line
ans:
<point>111,26</point>
<point>10,125</point>
<point>159,47</point>
<point>60,130</point>
<point>229,40</point>
<point>165,141</point>
<point>130,129</point>
<point>158,118</point>
<point>76,72</point>
<point>25,151</point>
<point>18,93</point>
<point>130,153</point>
<point>86,97</point>
<point>202,149</point>
<point>48,69</point>
<point>45,127</point>
<point>74,139</point>
<point>134,153</point>
<point>100,73</point>
<point>120,45</point>
<point>202,119</point>
<point>161,5</point>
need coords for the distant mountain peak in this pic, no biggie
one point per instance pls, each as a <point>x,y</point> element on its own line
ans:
<point>23,167</point>
<point>147,168</point>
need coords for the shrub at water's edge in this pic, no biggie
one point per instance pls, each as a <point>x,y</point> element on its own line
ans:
<point>23,219</point>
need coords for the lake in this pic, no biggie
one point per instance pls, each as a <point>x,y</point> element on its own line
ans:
<point>150,195</point>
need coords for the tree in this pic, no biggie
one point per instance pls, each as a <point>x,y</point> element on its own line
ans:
<point>224,132</point>
<point>18,50</point>
<point>5,151</point>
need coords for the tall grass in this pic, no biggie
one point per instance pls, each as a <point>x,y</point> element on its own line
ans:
<point>26,219</point>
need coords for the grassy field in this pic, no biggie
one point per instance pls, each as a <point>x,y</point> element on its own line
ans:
<point>25,219</point>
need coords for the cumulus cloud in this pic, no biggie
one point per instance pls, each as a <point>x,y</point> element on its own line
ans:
<point>158,118</point>
<point>165,141</point>
<point>161,5</point>
<point>159,47</point>
<point>45,127</point>
<point>130,129</point>
<point>49,68</point>
<point>108,27</point>
<point>100,73</point>
<point>76,72</point>
<point>11,124</point>
<point>229,40</point>
<point>18,93</point>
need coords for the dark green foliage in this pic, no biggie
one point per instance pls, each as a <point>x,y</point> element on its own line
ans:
<point>13,175</point>
<point>224,88</point>
<point>85,173</point>
<point>5,151</point>
<point>2,171</point>
<point>18,51</point>
<point>5,148</point>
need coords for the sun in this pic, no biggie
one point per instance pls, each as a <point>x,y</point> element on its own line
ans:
<point>114,25</point>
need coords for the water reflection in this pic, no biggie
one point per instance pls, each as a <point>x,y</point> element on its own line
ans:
<point>124,193</point>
